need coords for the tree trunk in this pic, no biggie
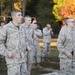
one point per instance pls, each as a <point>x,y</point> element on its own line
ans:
<point>24,7</point>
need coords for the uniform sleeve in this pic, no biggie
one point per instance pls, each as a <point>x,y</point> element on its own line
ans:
<point>38,32</point>
<point>46,32</point>
<point>3,50</point>
<point>51,32</point>
<point>28,41</point>
<point>60,42</point>
<point>27,44</point>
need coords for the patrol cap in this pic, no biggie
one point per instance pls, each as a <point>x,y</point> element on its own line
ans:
<point>69,20</point>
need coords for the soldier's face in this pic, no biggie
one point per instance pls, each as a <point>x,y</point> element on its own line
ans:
<point>71,24</point>
<point>2,24</point>
<point>28,21</point>
<point>74,24</point>
<point>18,17</point>
<point>35,26</point>
<point>48,27</point>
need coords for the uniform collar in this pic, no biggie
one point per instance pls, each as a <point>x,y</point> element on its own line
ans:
<point>11,24</point>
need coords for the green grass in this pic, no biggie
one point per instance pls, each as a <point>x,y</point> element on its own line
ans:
<point>2,64</point>
<point>52,64</point>
<point>53,53</point>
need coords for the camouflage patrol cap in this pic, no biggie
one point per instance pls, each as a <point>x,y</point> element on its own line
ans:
<point>69,20</point>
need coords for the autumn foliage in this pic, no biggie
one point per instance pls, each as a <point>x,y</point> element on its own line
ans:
<point>18,5</point>
<point>67,9</point>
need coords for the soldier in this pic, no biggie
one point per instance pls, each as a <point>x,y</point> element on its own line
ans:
<point>37,51</point>
<point>66,45</point>
<point>29,32</point>
<point>2,23</point>
<point>47,33</point>
<point>13,46</point>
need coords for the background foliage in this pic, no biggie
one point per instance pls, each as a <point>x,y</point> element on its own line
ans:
<point>45,11</point>
<point>63,9</point>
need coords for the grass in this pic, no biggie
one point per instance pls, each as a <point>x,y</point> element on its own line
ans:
<point>53,53</point>
<point>48,66</point>
<point>2,64</point>
<point>3,67</point>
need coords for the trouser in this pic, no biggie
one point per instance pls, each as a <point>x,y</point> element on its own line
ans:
<point>29,61</point>
<point>17,69</point>
<point>37,54</point>
<point>46,50</point>
<point>66,63</point>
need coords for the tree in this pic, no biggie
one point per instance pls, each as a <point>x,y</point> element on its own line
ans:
<point>6,6</point>
<point>68,10</point>
<point>18,5</point>
<point>56,8</point>
<point>44,12</point>
<point>27,6</point>
<point>31,7</point>
<point>64,8</point>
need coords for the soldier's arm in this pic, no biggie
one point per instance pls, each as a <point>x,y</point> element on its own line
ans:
<point>38,32</point>
<point>28,48</point>
<point>46,32</point>
<point>28,45</point>
<point>51,32</point>
<point>3,49</point>
<point>60,42</point>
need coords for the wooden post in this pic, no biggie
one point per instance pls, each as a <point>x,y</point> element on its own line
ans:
<point>24,7</point>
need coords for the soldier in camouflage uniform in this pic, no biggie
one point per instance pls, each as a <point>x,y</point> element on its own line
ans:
<point>37,51</point>
<point>66,45</point>
<point>47,33</point>
<point>29,32</point>
<point>2,23</point>
<point>13,46</point>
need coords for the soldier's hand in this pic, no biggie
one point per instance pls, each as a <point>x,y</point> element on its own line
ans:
<point>29,49</point>
<point>69,55</point>
<point>50,28</point>
<point>34,37</point>
<point>10,55</point>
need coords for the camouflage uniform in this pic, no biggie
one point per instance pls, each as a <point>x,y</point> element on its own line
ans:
<point>46,40</point>
<point>29,32</point>
<point>1,56</point>
<point>65,44</point>
<point>12,39</point>
<point>37,51</point>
